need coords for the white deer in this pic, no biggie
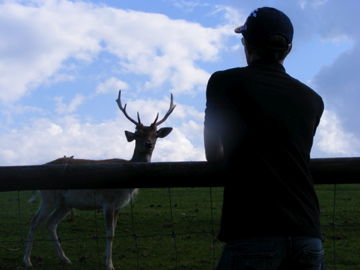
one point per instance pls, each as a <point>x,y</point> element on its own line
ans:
<point>56,204</point>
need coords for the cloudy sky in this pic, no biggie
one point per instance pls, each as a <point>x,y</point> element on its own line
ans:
<point>62,63</point>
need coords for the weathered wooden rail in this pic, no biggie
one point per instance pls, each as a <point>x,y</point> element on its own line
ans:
<point>156,174</point>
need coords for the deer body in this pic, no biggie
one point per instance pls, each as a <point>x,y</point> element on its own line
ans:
<point>56,204</point>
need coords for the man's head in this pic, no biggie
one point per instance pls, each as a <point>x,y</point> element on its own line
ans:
<point>268,35</point>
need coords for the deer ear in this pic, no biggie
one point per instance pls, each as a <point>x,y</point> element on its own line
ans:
<point>163,132</point>
<point>129,136</point>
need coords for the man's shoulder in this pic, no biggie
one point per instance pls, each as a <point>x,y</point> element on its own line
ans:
<point>223,78</point>
<point>229,72</point>
<point>220,80</point>
<point>308,89</point>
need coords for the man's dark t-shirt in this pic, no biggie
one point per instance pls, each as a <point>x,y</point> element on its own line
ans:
<point>266,121</point>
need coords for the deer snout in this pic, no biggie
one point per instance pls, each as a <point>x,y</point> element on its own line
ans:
<point>149,145</point>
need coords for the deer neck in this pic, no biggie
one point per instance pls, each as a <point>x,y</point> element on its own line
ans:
<point>141,157</point>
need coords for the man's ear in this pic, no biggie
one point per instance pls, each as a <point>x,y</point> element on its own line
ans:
<point>163,132</point>
<point>289,48</point>
<point>129,136</point>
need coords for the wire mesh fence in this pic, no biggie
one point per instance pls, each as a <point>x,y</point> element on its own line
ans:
<point>340,218</point>
<point>160,229</point>
<point>164,228</point>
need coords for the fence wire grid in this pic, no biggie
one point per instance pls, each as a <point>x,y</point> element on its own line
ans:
<point>165,229</point>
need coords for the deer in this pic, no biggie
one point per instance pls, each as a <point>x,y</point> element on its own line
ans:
<point>56,204</point>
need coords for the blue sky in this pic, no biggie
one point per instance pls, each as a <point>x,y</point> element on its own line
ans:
<point>62,63</point>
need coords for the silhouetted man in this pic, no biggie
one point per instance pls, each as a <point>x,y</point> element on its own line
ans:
<point>260,123</point>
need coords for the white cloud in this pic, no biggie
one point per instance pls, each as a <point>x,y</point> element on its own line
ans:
<point>312,3</point>
<point>188,112</point>
<point>71,107</point>
<point>39,38</point>
<point>148,108</point>
<point>233,17</point>
<point>42,139</point>
<point>188,5</point>
<point>178,148</point>
<point>45,42</point>
<point>111,85</point>
<point>332,139</point>
<point>337,80</point>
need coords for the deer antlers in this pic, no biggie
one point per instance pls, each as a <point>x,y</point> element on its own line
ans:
<point>123,109</point>
<point>138,123</point>
<point>170,110</point>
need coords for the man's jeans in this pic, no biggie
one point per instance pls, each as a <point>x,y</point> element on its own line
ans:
<point>273,253</point>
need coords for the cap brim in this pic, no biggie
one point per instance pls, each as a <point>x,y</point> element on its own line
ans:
<point>240,29</point>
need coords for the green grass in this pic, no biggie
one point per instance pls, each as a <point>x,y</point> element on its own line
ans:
<point>164,229</point>
<point>341,225</point>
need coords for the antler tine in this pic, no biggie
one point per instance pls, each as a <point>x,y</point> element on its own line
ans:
<point>123,109</point>
<point>171,108</point>
<point>138,116</point>
<point>156,118</point>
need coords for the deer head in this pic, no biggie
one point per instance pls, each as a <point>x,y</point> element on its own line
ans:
<point>145,136</point>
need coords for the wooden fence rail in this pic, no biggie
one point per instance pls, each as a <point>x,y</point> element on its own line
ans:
<point>152,175</point>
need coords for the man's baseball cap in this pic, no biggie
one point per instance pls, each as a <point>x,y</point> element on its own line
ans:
<point>265,22</point>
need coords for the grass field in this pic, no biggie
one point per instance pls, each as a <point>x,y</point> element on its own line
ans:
<point>165,229</point>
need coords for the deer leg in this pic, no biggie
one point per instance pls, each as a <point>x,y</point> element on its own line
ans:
<point>110,222</point>
<point>116,217</point>
<point>71,216</point>
<point>38,218</point>
<point>51,225</point>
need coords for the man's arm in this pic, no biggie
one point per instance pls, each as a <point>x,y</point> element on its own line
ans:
<point>212,126</point>
<point>213,146</point>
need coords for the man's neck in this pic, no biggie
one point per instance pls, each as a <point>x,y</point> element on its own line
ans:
<point>254,58</point>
